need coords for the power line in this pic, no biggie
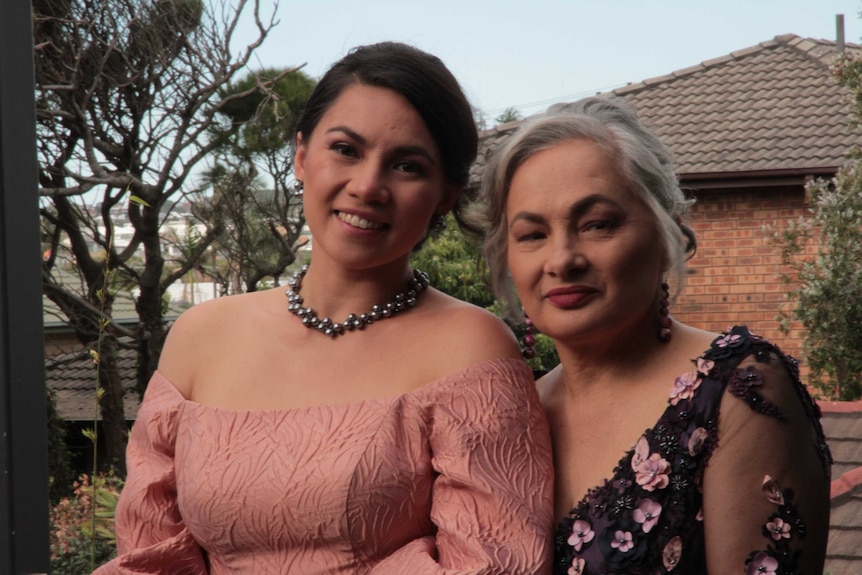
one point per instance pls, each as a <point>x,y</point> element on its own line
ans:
<point>547,102</point>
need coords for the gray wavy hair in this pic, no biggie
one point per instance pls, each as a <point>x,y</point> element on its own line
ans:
<point>644,162</point>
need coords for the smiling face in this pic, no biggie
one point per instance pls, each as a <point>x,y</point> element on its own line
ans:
<point>583,251</point>
<point>373,179</point>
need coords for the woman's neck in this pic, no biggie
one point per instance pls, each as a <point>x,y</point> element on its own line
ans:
<point>334,291</point>
<point>610,361</point>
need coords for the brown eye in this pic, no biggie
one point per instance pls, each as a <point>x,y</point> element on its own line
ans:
<point>600,226</point>
<point>409,168</point>
<point>344,149</point>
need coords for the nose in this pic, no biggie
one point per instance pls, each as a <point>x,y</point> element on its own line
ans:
<point>368,184</point>
<point>564,258</point>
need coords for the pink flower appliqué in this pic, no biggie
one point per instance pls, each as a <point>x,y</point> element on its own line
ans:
<point>762,564</point>
<point>582,533</point>
<point>704,366</point>
<point>650,470</point>
<point>647,514</point>
<point>622,541</point>
<point>727,340</point>
<point>671,553</point>
<point>577,567</point>
<point>778,529</point>
<point>696,441</point>
<point>684,387</point>
<point>772,491</point>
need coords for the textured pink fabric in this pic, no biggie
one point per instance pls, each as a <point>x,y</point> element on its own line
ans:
<point>454,477</point>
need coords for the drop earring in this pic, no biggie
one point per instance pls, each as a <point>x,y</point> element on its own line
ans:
<point>529,339</point>
<point>665,323</point>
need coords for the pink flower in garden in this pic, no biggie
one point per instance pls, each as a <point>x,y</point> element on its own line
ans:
<point>577,567</point>
<point>647,514</point>
<point>778,529</point>
<point>762,564</point>
<point>582,533</point>
<point>684,387</point>
<point>622,541</point>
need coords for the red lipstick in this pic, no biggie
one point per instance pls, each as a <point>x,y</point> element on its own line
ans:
<point>570,297</point>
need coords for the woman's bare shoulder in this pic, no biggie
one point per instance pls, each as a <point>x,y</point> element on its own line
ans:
<point>204,332</point>
<point>471,334</point>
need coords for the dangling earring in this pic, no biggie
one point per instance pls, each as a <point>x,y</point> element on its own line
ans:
<point>664,321</point>
<point>298,187</point>
<point>529,339</point>
<point>438,223</point>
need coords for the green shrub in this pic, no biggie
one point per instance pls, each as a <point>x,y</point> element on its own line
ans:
<point>83,537</point>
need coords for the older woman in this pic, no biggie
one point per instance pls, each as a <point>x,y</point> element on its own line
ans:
<point>366,423</point>
<point>676,450</point>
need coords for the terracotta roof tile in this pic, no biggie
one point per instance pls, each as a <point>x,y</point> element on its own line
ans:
<point>772,106</point>
<point>72,377</point>
<point>842,423</point>
<point>844,543</point>
<point>842,567</point>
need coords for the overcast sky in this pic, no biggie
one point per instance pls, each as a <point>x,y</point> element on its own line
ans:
<point>528,54</point>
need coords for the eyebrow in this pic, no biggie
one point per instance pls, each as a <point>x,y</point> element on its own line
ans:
<point>398,151</point>
<point>575,210</point>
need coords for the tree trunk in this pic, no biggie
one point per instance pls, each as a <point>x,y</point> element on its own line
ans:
<point>151,329</point>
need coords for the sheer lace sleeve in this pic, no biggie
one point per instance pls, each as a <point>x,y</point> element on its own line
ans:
<point>151,536</point>
<point>493,495</point>
<point>766,486</point>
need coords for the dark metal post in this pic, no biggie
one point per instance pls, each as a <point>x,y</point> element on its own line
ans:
<point>23,415</point>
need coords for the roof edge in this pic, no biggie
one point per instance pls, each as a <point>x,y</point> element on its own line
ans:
<point>821,52</point>
<point>805,46</point>
<point>702,181</point>
<point>712,62</point>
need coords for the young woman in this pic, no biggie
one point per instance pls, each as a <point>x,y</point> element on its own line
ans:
<point>363,422</point>
<point>668,458</point>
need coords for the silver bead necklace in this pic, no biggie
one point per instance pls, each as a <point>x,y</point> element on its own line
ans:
<point>402,301</point>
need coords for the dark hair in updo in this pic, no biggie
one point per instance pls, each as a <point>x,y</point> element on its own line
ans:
<point>419,77</point>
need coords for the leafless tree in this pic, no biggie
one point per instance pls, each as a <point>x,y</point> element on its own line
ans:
<point>127,94</point>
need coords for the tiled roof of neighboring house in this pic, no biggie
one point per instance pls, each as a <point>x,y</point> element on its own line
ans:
<point>72,378</point>
<point>774,107</point>
<point>842,422</point>
<point>123,312</point>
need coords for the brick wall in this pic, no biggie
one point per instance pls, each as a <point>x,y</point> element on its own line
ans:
<point>734,276</point>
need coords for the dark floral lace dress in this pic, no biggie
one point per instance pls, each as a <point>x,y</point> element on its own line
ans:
<point>648,518</point>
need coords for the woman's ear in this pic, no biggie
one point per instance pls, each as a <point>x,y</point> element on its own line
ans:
<point>299,158</point>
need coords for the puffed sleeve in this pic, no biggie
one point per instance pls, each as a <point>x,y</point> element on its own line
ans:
<point>492,500</point>
<point>766,486</point>
<point>151,536</point>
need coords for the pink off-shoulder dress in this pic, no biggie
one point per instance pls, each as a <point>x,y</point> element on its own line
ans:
<point>453,477</point>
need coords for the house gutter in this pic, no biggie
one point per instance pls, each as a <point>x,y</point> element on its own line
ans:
<point>754,178</point>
